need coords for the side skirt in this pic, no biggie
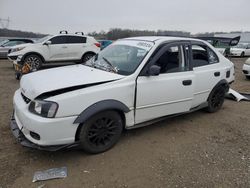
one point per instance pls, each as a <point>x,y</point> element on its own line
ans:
<point>203,105</point>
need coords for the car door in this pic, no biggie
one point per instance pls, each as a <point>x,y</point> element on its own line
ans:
<point>207,71</point>
<point>171,91</point>
<point>76,45</point>
<point>58,49</point>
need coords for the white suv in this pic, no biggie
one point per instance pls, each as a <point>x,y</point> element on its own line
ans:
<point>131,83</point>
<point>62,47</point>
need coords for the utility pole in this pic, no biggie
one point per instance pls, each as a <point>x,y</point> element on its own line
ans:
<point>5,22</point>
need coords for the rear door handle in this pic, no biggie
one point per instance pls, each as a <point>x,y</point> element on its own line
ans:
<point>187,82</point>
<point>217,74</point>
<point>64,47</point>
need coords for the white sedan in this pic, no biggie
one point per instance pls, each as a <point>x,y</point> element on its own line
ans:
<point>129,84</point>
<point>241,50</point>
<point>246,68</point>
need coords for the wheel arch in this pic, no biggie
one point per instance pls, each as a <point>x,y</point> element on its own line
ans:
<point>223,83</point>
<point>32,53</point>
<point>98,107</point>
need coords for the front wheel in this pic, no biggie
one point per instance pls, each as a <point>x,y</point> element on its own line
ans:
<point>248,77</point>
<point>34,62</point>
<point>216,99</point>
<point>101,132</point>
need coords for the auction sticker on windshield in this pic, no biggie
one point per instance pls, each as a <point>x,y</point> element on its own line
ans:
<point>139,44</point>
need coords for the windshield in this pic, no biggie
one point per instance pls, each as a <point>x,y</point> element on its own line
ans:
<point>2,42</point>
<point>121,57</point>
<point>41,40</point>
<point>241,46</point>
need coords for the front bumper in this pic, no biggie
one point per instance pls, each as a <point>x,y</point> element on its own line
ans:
<point>49,131</point>
<point>25,142</point>
<point>246,69</point>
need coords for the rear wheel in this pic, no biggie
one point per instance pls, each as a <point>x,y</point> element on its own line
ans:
<point>87,57</point>
<point>216,99</point>
<point>33,61</point>
<point>101,132</point>
<point>248,77</point>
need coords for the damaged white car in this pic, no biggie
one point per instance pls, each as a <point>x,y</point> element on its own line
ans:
<point>131,83</point>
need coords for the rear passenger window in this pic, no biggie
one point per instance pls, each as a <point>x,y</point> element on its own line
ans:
<point>172,60</point>
<point>76,39</point>
<point>202,55</point>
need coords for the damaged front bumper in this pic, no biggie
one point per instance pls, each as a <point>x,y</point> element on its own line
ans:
<point>25,142</point>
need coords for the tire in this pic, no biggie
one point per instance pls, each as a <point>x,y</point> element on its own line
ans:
<point>18,75</point>
<point>248,77</point>
<point>101,132</point>
<point>87,57</point>
<point>216,99</point>
<point>242,54</point>
<point>34,61</point>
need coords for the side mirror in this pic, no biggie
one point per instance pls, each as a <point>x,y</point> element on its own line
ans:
<point>47,42</point>
<point>154,70</point>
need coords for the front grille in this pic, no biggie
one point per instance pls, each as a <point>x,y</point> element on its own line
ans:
<point>26,99</point>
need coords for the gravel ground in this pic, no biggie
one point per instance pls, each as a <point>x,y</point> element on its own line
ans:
<point>193,150</point>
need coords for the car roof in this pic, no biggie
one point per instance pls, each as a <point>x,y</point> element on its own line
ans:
<point>161,38</point>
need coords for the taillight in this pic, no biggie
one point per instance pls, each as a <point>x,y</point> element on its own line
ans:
<point>98,45</point>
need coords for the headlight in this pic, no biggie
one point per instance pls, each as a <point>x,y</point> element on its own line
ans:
<point>43,108</point>
<point>17,49</point>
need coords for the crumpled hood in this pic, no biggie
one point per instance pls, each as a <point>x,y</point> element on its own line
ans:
<point>37,83</point>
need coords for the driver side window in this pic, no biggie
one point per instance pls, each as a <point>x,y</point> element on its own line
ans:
<point>172,60</point>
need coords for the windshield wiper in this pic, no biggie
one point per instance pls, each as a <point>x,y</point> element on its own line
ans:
<point>108,62</point>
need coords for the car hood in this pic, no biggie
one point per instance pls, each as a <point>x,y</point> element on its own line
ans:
<point>22,45</point>
<point>60,79</point>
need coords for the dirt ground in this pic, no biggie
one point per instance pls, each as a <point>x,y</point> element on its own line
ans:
<point>193,150</point>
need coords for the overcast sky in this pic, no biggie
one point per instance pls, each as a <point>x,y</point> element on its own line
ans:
<point>50,16</point>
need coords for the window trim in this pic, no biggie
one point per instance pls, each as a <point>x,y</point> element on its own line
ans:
<point>160,51</point>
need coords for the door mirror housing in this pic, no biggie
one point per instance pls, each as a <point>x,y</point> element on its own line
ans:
<point>47,42</point>
<point>154,70</point>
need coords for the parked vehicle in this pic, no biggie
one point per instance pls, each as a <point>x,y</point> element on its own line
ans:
<point>133,82</point>
<point>52,49</point>
<point>6,45</point>
<point>105,43</point>
<point>241,50</point>
<point>246,68</point>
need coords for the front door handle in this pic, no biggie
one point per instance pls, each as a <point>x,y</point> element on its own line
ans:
<point>187,82</point>
<point>216,74</point>
<point>64,47</point>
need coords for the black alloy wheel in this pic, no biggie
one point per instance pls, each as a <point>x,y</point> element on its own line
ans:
<point>216,99</point>
<point>101,132</point>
